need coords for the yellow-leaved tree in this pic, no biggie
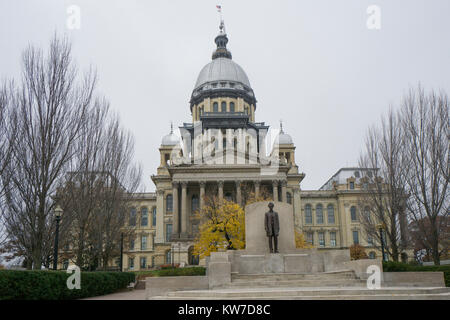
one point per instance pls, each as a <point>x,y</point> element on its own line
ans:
<point>300,241</point>
<point>222,227</point>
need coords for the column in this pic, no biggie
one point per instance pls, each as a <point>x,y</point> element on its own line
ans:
<point>176,213</point>
<point>283,191</point>
<point>184,215</point>
<point>257,184</point>
<point>238,192</point>
<point>159,216</point>
<point>220,194</point>
<point>202,194</point>
<point>275,190</point>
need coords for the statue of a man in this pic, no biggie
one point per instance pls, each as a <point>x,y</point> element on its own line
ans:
<point>272,226</point>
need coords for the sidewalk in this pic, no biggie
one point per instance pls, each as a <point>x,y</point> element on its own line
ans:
<point>125,295</point>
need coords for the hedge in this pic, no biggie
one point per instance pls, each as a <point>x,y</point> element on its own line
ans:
<point>51,285</point>
<point>391,266</point>
<point>172,272</point>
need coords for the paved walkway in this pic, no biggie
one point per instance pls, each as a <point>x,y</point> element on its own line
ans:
<point>124,295</point>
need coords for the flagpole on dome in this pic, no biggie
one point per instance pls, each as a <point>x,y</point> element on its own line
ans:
<point>222,24</point>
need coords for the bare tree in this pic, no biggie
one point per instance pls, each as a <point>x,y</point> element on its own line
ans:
<point>381,203</point>
<point>48,109</point>
<point>97,193</point>
<point>425,121</point>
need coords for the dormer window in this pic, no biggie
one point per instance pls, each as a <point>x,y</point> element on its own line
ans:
<point>352,185</point>
<point>223,84</point>
<point>357,174</point>
<point>214,85</point>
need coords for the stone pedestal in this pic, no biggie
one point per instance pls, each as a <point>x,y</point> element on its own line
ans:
<point>256,240</point>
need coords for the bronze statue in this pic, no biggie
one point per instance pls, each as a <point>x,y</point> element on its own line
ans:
<point>272,226</point>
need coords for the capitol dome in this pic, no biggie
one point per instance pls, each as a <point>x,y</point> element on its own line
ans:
<point>222,77</point>
<point>222,69</point>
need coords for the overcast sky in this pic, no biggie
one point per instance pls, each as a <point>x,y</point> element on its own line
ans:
<point>314,64</point>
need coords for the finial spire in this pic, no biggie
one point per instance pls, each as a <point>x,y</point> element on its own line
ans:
<point>281,126</point>
<point>171,127</point>
<point>221,39</point>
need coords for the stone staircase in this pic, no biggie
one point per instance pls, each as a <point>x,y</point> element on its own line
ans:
<point>340,285</point>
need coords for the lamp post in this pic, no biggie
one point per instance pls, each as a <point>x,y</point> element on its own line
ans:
<point>58,212</point>
<point>382,241</point>
<point>121,252</point>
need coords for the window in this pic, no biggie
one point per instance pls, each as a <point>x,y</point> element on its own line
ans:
<point>194,203</point>
<point>365,186</point>
<point>372,255</point>
<point>223,106</point>
<point>367,214</point>
<point>144,217</point>
<point>169,203</point>
<point>352,185</point>
<point>289,198</point>
<point>310,238</point>
<point>65,265</point>
<point>131,244</point>
<point>308,214</point>
<point>144,243</point>
<point>369,174</point>
<point>357,174</point>
<point>319,214</point>
<point>154,216</point>
<point>330,214</point>
<point>168,257</point>
<point>132,221</point>
<point>228,196</point>
<point>143,262</point>
<point>231,106</point>
<point>131,263</point>
<point>333,239</point>
<point>353,213</point>
<point>215,107</point>
<point>370,240</point>
<point>168,232</point>
<point>246,110</point>
<point>355,237</point>
<point>321,239</point>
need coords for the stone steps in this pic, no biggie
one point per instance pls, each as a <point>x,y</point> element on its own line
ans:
<point>311,294</point>
<point>344,275</point>
<point>298,283</point>
<point>442,296</point>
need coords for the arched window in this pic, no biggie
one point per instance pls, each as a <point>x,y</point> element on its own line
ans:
<point>308,214</point>
<point>353,213</point>
<point>319,214</point>
<point>154,216</point>
<point>223,106</point>
<point>246,110</point>
<point>169,203</point>
<point>372,255</point>
<point>231,106</point>
<point>132,221</point>
<point>194,203</point>
<point>330,211</point>
<point>289,198</point>
<point>144,217</point>
<point>215,107</point>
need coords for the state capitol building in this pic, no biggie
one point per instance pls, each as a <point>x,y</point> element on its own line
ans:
<point>224,151</point>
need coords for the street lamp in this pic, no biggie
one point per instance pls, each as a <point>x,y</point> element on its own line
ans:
<point>380,228</point>
<point>121,252</point>
<point>58,213</point>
